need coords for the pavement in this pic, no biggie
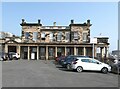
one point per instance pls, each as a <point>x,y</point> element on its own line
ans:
<point>41,73</point>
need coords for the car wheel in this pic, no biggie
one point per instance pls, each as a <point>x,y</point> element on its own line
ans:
<point>79,69</point>
<point>68,66</point>
<point>105,70</point>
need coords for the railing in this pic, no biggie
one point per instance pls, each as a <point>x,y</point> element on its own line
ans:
<point>55,27</point>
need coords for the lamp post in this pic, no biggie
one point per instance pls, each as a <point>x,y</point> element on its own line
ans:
<point>93,41</point>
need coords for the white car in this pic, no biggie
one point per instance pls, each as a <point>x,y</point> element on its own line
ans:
<point>91,64</point>
<point>14,55</point>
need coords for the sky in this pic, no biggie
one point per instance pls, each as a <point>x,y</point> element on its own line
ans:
<point>103,16</point>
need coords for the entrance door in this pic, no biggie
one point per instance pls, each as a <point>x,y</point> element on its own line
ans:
<point>60,51</point>
<point>70,51</point>
<point>33,53</point>
<point>24,52</point>
<point>42,53</point>
<point>51,52</point>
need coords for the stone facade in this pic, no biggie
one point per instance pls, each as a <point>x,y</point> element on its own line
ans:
<point>47,42</point>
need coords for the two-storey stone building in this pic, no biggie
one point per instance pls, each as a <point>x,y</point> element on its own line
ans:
<point>48,42</point>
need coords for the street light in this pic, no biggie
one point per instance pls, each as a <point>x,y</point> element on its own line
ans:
<point>93,41</point>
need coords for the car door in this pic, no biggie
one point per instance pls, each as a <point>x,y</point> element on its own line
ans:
<point>85,63</point>
<point>95,65</point>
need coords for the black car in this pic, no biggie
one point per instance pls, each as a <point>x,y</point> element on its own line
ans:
<point>3,56</point>
<point>68,60</point>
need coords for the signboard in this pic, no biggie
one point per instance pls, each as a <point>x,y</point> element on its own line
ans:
<point>93,40</point>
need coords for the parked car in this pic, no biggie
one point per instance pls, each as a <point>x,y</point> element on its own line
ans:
<point>13,56</point>
<point>116,68</point>
<point>59,58</point>
<point>80,64</point>
<point>68,60</point>
<point>3,56</point>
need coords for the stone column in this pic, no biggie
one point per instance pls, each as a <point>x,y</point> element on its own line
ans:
<point>55,51</point>
<point>84,51</point>
<point>74,50</point>
<point>107,53</point>
<point>18,51</point>
<point>37,52</point>
<point>95,50</point>
<point>65,51</point>
<point>6,48</point>
<point>103,52</point>
<point>28,53</point>
<point>46,52</point>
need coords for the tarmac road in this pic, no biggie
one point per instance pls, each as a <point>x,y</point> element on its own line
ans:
<point>39,73</point>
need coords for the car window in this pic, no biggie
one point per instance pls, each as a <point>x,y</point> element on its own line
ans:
<point>93,61</point>
<point>85,60</point>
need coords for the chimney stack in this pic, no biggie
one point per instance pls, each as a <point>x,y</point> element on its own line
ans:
<point>54,23</point>
<point>23,21</point>
<point>38,21</point>
<point>88,22</point>
<point>72,21</point>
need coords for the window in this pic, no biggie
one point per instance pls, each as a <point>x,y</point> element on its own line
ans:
<point>42,35</point>
<point>84,36</point>
<point>75,35</point>
<point>85,60</point>
<point>93,61</point>
<point>35,34</point>
<point>59,36</point>
<point>67,36</point>
<point>51,36</point>
<point>27,35</point>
